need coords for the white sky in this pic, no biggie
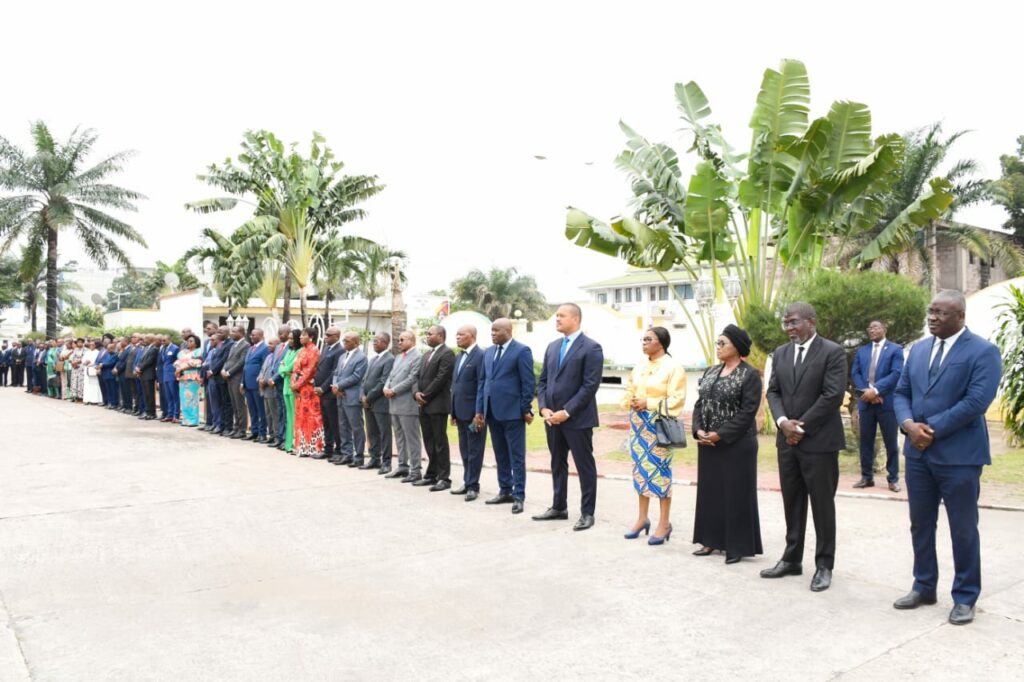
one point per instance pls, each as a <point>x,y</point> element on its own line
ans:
<point>448,101</point>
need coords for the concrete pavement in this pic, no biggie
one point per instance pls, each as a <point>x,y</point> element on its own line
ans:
<point>137,550</point>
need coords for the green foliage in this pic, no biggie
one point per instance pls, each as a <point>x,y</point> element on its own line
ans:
<point>499,293</point>
<point>52,191</point>
<point>10,292</point>
<point>845,302</point>
<point>118,332</point>
<point>82,316</point>
<point>1010,339</point>
<point>1008,190</point>
<point>134,292</point>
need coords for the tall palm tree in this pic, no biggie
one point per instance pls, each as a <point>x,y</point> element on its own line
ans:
<point>500,292</point>
<point>374,272</point>
<point>337,268</point>
<point>54,190</point>
<point>33,285</point>
<point>899,249</point>
<point>234,279</point>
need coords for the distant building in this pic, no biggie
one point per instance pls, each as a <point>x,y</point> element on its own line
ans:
<point>643,295</point>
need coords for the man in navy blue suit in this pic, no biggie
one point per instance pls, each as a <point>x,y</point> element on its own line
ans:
<point>29,354</point>
<point>107,378</point>
<point>876,369</point>
<point>567,395</point>
<point>504,399</point>
<point>254,358</point>
<point>472,435</point>
<point>217,384</point>
<point>168,381</point>
<point>947,385</point>
<point>5,363</point>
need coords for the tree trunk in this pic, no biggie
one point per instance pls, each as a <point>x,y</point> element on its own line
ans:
<point>33,309</point>
<point>286,311</point>
<point>327,308</point>
<point>397,311</point>
<point>51,283</point>
<point>302,305</point>
<point>369,307</point>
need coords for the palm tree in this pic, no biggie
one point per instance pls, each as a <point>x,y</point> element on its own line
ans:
<point>33,285</point>
<point>374,272</point>
<point>500,292</point>
<point>234,279</point>
<point>54,191</point>
<point>898,248</point>
<point>337,270</point>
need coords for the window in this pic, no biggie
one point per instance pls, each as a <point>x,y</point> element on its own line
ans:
<point>685,291</point>
<point>662,293</point>
<point>618,295</point>
<point>653,293</point>
<point>970,258</point>
<point>639,294</point>
<point>602,298</point>
<point>629,295</point>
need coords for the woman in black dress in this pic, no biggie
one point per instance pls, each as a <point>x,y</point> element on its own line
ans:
<point>726,518</point>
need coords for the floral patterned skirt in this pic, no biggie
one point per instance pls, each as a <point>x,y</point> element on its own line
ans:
<point>309,423</point>
<point>652,463</point>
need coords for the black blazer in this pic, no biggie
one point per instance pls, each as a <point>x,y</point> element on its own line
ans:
<point>573,386</point>
<point>325,370</point>
<point>147,365</point>
<point>812,394</point>
<point>435,380</point>
<point>464,385</point>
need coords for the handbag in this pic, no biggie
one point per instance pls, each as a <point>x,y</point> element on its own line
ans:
<point>58,366</point>
<point>671,431</point>
<point>91,371</point>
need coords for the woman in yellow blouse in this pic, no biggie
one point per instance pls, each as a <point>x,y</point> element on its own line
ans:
<point>657,383</point>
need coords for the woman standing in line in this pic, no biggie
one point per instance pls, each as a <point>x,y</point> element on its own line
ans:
<point>657,384</point>
<point>287,366</point>
<point>724,425</point>
<point>186,369</point>
<point>91,394</point>
<point>65,364</point>
<point>309,422</point>
<point>78,371</point>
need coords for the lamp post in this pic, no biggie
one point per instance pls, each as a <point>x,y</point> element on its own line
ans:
<point>704,294</point>
<point>732,288</point>
<point>397,305</point>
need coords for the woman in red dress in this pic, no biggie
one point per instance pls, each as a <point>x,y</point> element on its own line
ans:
<point>309,423</point>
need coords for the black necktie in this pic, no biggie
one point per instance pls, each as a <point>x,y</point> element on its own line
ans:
<point>497,356</point>
<point>933,371</point>
<point>799,359</point>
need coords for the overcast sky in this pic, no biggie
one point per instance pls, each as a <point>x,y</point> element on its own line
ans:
<point>448,102</point>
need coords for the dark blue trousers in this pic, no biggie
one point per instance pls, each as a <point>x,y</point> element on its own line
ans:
<point>216,389</point>
<point>871,419</point>
<point>30,377</point>
<point>957,487</point>
<point>257,412</point>
<point>508,439</point>
<point>140,402</point>
<point>471,447</point>
<point>562,441</point>
<point>169,398</point>
<point>113,391</point>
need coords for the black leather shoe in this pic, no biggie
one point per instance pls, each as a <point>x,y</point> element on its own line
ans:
<point>251,436</point>
<point>412,479</point>
<point>912,599</point>
<point>319,455</point>
<point>459,491</point>
<point>382,471</point>
<point>822,579</point>
<point>500,499</point>
<point>517,506</point>
<point>238,436</point>
<point>781,569</point>
<point>218,432</point>
<point>424,481</point>
<point>398,473</point>
<point>962,614</point>
<point>262,440</point>
<point>335,461</point>
<point>864,483</point>
<point>345,459</point>
<point>552,514</point>
<point>471,495</point>
<point>584,522</point>
<point>273,443</point>
<point>369,465</point>
<point>894,487</point>
<point>732,559</point>
<point>440,485</point>
<point>355,464</point>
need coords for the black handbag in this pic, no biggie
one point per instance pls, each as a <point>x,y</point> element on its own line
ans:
<point>671,431</point>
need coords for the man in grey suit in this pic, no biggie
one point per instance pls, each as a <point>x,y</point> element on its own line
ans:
<point>268,390</point>
<point>805,394</point>
<point>232,372</point>
<point>346,384</point>
<point>399,389</point>
<point>375,405</point>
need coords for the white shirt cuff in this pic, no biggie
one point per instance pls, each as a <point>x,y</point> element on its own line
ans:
<point>778,422</point>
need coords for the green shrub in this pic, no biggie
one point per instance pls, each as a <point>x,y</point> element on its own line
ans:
<point>117,332</point>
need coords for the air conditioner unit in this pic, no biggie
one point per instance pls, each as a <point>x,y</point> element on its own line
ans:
<point>616,306</point>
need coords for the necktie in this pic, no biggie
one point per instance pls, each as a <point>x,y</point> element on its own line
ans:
<point>561,353</point>
<point>344,363</point>
<point>799,359</point>
<point>933,371</point>
<point>874,363</point>
<point>462,361</point>
<point>497,356</point>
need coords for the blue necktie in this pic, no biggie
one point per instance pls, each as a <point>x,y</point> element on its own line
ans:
<point>561,353</point>
<point>497,356</point>
<point>933,371</point>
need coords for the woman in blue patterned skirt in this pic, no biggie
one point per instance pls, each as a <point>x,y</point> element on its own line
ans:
<point>658,383</point>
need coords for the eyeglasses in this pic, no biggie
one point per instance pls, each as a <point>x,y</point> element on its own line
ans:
<point>721,344</point>
<point>648,339</point>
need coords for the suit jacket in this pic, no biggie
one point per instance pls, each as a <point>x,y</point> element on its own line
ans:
<point>813,396</point>
<point>887,372</point>
<point>254,357</point>
<point>267,369</point>
<point>465,378</point>
<point>325,370</point>
<point>275,374</point>
<point>435,380</point>
<point>402,380</point>
<point>146,363</point>
<point>954,404</point>
<point>5,357</point>
<point>573,386</point>
<point>349,376</point>
<point>29,354</point>
<point>17,356</point>
<point>377,372</point>
<point>235,362</point>
<point>126,361</point>
<point>107,364</point>
<point>169,354</point>
<point>506,390</point>
<point>218,356</point>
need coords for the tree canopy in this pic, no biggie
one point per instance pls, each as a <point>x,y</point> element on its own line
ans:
<point>499,293</point>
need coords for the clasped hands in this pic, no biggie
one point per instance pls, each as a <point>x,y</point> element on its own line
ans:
<point>920,434</point>
<point>871,397</point>
<point>792,430</point>
<point>552,418</point>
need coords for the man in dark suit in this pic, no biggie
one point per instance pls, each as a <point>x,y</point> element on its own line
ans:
<point>5,363</point>
<point>107,378</point>
<point>218,385</point>
<point>941,399</point>
<point>876,369</point>
<point>805,393</point>
<point>145,370</point>
<point>322,387</point>
<point>504,404</point>
<point>434,396</point>
<point>209,329</point>
<point>227,408</point>
<point>123,371</point>
<point>254,358</point>
<point>472,436</point>
<point>346,385</point>
<point>233,373</point>
<point>567,395</point>
<point>140,403</point>
<point>169,398</point>
<point>30,365</point>
<point>376,414</point>
<point>17,364</point>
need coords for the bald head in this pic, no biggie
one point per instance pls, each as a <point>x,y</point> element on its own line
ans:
<point>465,337</point>
<point>501,331</point>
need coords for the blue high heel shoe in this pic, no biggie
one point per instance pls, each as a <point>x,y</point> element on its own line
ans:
<point>646,529</point>
<point>655,540</point>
